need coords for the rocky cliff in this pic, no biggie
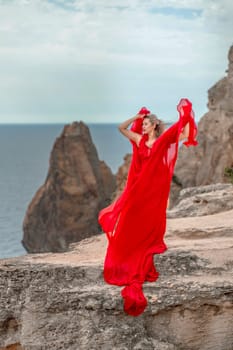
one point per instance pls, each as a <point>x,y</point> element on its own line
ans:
<point>122,175</point>
<point>203,200</point>
<point>77,186</point>
<point>205,164</point>
<point>59,301</point>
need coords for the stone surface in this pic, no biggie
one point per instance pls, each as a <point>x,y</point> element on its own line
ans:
<point>77,186</point>
<point>203,200</point>
<point>122,174</point>
<point>59,301</point>
<point>205,164</point>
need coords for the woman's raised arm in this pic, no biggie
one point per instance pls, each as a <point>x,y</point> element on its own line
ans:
<point>131,135</point>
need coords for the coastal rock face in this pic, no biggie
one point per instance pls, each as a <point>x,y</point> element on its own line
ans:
<point>122,174</point>
<point>205,164</point>
<point>203,200</point>
<point>59,301</point>
<point>77,186</point>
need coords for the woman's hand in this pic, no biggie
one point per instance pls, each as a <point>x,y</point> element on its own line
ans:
<point>185,133</point>
<point>138,116</point>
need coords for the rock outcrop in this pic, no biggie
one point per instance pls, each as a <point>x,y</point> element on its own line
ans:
<point>203,200</point>
<point>59,301</point>
<point>122,174</point>
<point>77,186</point>
<point>205,164</point>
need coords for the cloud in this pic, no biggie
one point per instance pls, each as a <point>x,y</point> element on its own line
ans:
<point>97,50</point>
<point>107,33</point>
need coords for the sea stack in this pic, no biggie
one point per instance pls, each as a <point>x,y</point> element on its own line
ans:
<point>78,185</point>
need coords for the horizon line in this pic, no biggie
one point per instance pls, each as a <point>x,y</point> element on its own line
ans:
<point>65,123</point>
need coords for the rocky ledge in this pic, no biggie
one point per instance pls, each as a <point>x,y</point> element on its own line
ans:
<point>59,301</point>
<point>203,200</point>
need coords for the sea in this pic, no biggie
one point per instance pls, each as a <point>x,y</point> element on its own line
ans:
<point>24,162</point>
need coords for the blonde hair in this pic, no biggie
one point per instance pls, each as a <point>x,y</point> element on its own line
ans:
<point>159,125</point>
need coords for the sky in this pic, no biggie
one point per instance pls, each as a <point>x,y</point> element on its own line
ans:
<point>100,61</point>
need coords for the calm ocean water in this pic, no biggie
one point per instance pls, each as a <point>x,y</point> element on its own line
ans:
<point>24,159</point>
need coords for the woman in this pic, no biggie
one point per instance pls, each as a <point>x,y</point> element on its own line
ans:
<point>135,223</point>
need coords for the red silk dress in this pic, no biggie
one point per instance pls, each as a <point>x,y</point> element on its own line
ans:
<point>135,223</point>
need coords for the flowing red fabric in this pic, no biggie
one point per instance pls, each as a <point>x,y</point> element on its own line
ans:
<point>135,223</point>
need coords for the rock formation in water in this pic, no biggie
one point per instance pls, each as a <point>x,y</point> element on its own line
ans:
<point>60,301</point>
<point>77,186</point>
<point>205,164</point>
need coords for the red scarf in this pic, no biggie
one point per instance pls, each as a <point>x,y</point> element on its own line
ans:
<point>135,223</point>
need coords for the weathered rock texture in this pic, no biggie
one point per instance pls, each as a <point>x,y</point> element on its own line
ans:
<point>205,164</point>
<point>78,185</point>
<point>203,200</point>
<point>122,174</point>
<point>59,301</point>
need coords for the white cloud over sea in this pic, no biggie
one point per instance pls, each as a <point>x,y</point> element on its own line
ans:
<point>101,60</point>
